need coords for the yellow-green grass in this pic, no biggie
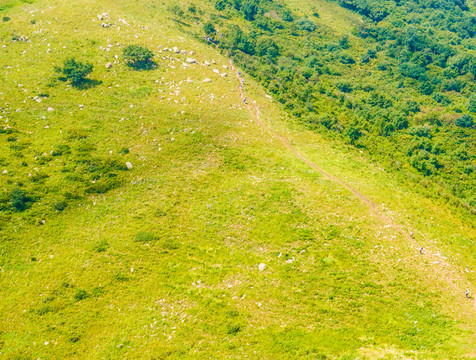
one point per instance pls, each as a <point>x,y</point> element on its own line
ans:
<point>220,195</point>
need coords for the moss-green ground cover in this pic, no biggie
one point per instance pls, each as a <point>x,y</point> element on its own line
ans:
<point>161,260</point>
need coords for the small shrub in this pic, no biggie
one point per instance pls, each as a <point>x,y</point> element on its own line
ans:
<point>306,24</point>
<point>209,29</point>
<point>420,131</point>
<point>5,19</point>
<point>61,205</point>
<point>143,236</point>
<point>80,295</point>
<point>465,121</point>
<point>137,56</point>
<point>346,58</point>
<point>75,71</point>
<point>120,277</point>
<point>344,86</point>
<point>61,150</point>
<point>472,103</point>
<point>19,199</point>
<point>170,244</point>
<point>176,10</point>
<point>45,309</point>
<point>233,329</point>
<point>101,246</point>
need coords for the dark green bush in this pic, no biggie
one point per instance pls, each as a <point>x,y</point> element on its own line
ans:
<point>465,121</point>
<point>75,71</point>
<point>61,205</point>
<point>137,56</point>
<point>209,29</point>
<point>20,201</point>
<point>80,295</point>
<point>146,237</point>
<point>306,24</point>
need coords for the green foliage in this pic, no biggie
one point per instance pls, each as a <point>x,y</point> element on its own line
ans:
<point>250,8</point>
<point>413,71</point>
<point>176,10</point>
<point>61,205</point>
<point>80,294</point>
<point>466,121</point>
<point>472,103</point>
<point>220,5</point>
<point>19,199</point>
<point>209,29</point>
<point>137,56</point>
<point>306,24</point>
<point>192,8</point>
<point>75,71</point>
<point>267,47</point>
<point>145,237</point>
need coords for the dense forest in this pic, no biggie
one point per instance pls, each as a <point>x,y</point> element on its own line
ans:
<point>401,88</point>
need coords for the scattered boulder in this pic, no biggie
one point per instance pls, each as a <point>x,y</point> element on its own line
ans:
<point>290,261</point>
<point>50,108</point>
<point>175,50</point>
<point>128,165</point>
<point>37,99</point>
<point>225,67</point>
<point>191,61</point>
<point>5,172</point>
<point>206,63</point>
<point>191,52</point>
<point>207,80</point>
<point>261,266</point>
<point>104,25</point>
<point>224,75</point>
<point>100,17</point>
<point>184,52</point>
<point>216,71</point>
<point>108,65</point>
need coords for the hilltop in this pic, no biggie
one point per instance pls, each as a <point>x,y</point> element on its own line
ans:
<point>156,214</point>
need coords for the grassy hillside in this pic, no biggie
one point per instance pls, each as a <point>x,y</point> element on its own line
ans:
<point>162,260</point>
<point>396,82</point>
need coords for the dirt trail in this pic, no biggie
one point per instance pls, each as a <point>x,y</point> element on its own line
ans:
<point>450,275</point>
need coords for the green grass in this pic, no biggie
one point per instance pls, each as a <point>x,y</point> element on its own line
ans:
<point>164,262</point>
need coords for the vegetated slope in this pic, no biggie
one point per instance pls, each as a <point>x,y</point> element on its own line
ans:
<point>398,82</point>
<point>162,259</point>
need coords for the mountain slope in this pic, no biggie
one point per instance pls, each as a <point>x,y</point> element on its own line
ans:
<point>163,260</point>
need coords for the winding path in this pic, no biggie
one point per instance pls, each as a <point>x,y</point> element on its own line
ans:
<point>254,110</point>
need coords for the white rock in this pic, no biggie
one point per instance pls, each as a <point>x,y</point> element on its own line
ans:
<point>290,261</point>
<point>108,65</point>
<point>50,109</point>
<point>206,63</point>
<point>224,75</point>
<point>175,50</point>
<point>104,25</point>
<point>216,71</point>
<point>5,172</point>
<point>100,17</point>
<point>184,52</point>
<point>261,266</point>
<point>191,61</point>
<point>129,165</point>
<point>207,80</point>
<point>225,67</point>
<point>191,53</point>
